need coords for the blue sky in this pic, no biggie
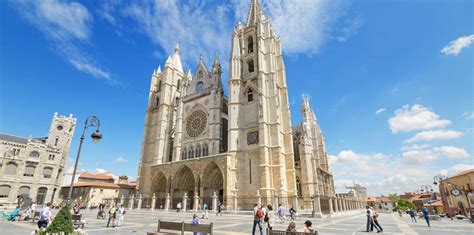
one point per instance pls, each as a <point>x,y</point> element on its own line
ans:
<point>391,82</point>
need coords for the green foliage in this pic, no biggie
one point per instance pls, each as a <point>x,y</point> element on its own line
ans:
<point>394,197</point>
<point>404,204</point>
<point>62,222</point>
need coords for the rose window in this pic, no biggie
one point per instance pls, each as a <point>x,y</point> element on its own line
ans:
<point>196,123</point>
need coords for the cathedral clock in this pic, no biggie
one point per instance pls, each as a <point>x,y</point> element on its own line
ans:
<point>252,137</point>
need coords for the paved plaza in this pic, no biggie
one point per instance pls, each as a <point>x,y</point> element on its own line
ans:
<point>140,222</point>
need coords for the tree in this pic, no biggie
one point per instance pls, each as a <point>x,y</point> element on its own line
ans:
<point>62,222</point>
<point>404,204</point>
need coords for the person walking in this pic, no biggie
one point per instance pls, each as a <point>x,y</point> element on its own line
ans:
<point>426,215</point>
<point>112,215</point>
<point>205,211</point>
<point>281,212</point>
<point>370,219</point>
<point>120,215</point>
<point>45,216</point>
<point>178,207</point>
<point>400,213</point>
<point>219,208</point>
<point>376,222</point>
<point>412,215</point>
<point>270,217</point>
<point>33,207</point>
<point>258,215</point>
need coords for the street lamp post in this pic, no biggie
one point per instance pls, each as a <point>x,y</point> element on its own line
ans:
<point>91,121</point>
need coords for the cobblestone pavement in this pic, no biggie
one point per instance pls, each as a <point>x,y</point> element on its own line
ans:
<point>140,222</point>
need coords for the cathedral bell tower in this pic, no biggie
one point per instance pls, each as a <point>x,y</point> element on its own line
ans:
<point>259,117</point>
<point>164,95</point>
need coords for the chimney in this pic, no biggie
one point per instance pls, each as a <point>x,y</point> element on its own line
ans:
<point>123,179</point>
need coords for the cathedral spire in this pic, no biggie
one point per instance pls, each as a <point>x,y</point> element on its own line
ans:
<point>254,10</point>
<point>174,60</point>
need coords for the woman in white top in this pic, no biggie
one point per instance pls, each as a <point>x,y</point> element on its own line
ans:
<point>120,214</point>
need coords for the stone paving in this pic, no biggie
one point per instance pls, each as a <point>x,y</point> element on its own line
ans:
<point>140,222</point>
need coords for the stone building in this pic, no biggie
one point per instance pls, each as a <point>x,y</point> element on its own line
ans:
<point>35,166</point>
<point>201,146</point>
<point>457,194</point>
<point>92,189</point>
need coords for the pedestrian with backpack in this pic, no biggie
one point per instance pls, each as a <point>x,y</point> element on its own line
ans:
<point>259,214</point>
<point>112,214</point>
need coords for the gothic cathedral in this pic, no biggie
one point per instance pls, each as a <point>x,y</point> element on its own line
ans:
<point>201,146</point>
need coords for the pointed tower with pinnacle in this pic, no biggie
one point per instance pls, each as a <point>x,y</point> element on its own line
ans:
<point>259,115</point>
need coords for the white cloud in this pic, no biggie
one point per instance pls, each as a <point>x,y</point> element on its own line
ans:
<point>100,170</point>
<point>455,169</point>
<point>120,160</point>
<point>434,135</point>
<point>304,26</point>
<point>415,117</point>
<point>379,111</point>
<point>468,115</point>
<point>380,173</point>
<point>456,46</point>
<point>68,26</point>
<point>196,26</point>
<point>419,156</point>
<point>452,152</point>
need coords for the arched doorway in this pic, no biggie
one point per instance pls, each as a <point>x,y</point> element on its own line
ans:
<point>183,182</point>
<point>212,181</point>
<point>159,189</point>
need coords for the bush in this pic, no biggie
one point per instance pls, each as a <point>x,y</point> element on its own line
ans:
<point>62,222</point>
<point>403,204</point>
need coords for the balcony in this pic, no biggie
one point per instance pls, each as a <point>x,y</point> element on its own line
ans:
<point>33,159</point>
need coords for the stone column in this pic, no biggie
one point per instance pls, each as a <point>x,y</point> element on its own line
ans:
<point>276,202</point>
<point>196,202</point>
<point>214,202</point>
<point>234,198</point>
<point>295,201</point>
<point>336,205</point>
<point>121,199</point>
<point>346,207</point>
<point>258,197</point>
<point>132,199</point>
<point>153,202</point>
<point>317,206</point>
<point>167,202</point>
<point>140,199</point>
<point>185,202</point>
<point>330,205</point>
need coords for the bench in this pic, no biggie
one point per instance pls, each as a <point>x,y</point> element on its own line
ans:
<point>77,221</point>
<point>181,227</point>
<point>277,232</point>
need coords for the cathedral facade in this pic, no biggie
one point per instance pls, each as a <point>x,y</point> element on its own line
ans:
<point>201,146</point>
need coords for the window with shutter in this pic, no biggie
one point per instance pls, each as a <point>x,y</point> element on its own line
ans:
<point>10,169</point>
<point>29,171</point>
<point>47,172</point>
<point>4,191</point>
<point>24,190</point>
